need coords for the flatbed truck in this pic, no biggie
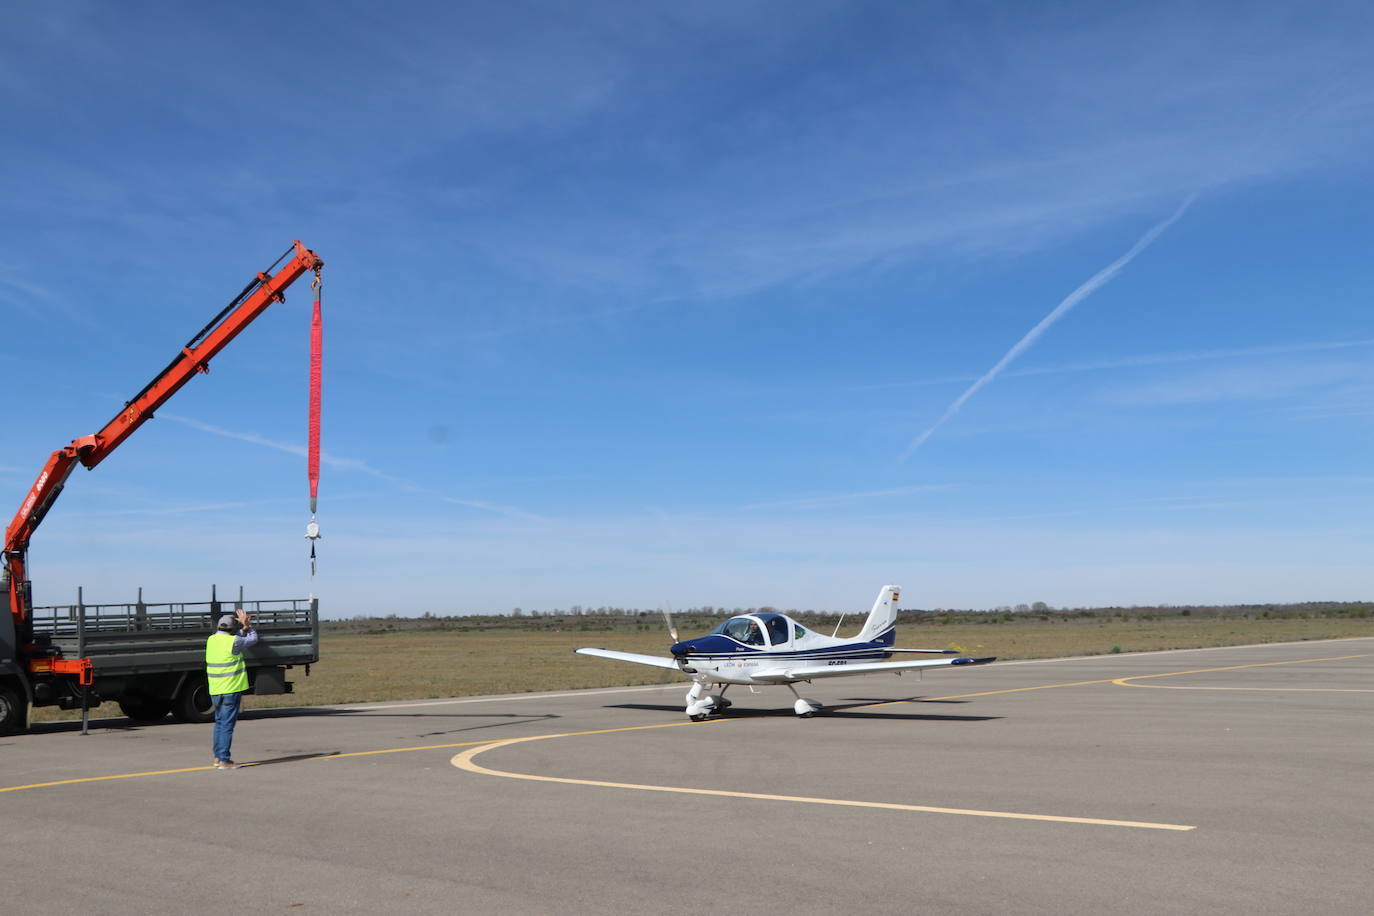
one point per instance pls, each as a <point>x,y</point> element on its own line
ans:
<point>150,658</point>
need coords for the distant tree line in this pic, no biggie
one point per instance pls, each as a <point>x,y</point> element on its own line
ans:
<point>698,619</point>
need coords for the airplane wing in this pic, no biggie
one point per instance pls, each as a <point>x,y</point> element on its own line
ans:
<point>785,674</point>
<point>655,660</point>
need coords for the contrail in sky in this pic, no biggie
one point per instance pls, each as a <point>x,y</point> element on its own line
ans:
<point>349,464</point>
<point>1098,280</point>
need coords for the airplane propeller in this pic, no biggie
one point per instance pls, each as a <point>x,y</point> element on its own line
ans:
<point>668,618</point>
<point>672,634</point>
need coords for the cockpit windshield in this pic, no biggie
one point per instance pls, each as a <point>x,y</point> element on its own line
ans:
<point>741,629</point>
<point>748,631</point>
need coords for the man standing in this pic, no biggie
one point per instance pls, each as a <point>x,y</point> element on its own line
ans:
<point>228,677</point>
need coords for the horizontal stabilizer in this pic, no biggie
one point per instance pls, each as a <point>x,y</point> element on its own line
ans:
<point>783,675</point>
<point>656,660</point>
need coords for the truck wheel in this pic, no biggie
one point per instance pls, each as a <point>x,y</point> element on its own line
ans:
<point>193,703</point>
<point>145,709</point>
<point>11,710</point>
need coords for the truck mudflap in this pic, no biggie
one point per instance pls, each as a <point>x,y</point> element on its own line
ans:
<point>269,680</point>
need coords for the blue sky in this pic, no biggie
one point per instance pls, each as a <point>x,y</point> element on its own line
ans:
<point>634,302</point>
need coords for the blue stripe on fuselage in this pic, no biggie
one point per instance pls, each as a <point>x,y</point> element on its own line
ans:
<point>715,647</point>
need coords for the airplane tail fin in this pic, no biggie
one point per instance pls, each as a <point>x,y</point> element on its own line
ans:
<point>882,620</point>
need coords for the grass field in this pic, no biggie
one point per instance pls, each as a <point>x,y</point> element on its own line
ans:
<point>444,663</point>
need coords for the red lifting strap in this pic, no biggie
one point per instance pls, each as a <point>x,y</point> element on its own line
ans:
<point>316,346</point>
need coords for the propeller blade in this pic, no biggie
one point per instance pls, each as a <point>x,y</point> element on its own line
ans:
<point>668,618</point>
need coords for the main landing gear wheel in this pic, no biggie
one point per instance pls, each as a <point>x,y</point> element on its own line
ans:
<point>803,707</point>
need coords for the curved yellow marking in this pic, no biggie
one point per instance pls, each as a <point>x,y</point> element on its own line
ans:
<point>464,761</point>
<point>433,747</point>
<point>1126,681</point>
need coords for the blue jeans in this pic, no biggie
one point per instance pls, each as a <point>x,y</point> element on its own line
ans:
<point>226,706</point>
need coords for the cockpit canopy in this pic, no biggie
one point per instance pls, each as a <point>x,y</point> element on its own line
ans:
<point>751,629</point>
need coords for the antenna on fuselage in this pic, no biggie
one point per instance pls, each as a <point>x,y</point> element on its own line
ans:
<point>837,625</point>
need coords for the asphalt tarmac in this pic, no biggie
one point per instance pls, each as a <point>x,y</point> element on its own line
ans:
<point>1232,780</point>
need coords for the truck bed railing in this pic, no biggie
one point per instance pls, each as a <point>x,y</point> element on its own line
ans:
<point>63,621</point>
<point>140,637</point>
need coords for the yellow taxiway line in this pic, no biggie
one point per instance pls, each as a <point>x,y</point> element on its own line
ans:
<point>71,782</point>
<point>1126,681</point>
<point>464,761</point>
<point>245,765</point>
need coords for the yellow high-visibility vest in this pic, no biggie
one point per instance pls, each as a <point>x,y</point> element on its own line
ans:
<point>226,672</point>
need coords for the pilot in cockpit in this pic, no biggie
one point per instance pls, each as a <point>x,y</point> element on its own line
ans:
<point>755,636</point>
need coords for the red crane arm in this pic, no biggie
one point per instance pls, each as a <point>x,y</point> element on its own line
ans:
<point>264,289</point>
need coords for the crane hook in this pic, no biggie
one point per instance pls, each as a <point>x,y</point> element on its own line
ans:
<point>312,532</point>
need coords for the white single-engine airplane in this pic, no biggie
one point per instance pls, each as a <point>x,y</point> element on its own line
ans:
<point>770,648</point>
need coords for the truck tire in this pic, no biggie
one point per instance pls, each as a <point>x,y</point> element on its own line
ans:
<point>11,710</point>
<point>192,704</point>
<point>145,709</point>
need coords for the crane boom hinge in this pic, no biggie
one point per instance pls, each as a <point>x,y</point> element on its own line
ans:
<point>202,367</point>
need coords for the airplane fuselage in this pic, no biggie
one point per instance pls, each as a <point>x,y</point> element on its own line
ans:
<point>756,643</point>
